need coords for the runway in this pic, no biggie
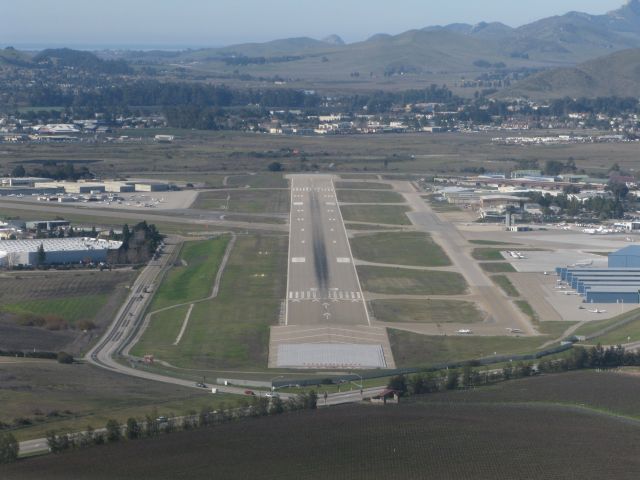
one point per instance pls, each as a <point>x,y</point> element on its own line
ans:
<point>323,289</point>
<point>323,286</point>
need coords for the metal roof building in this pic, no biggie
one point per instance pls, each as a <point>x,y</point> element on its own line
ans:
<point>628,257</point>
<point>57,251</point>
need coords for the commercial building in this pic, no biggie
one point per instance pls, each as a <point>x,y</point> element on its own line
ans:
<point>57,251</point>
<point>74,187</point>
<point>151,187</point>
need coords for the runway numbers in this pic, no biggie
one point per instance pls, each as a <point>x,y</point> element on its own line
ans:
<point>298,260</point>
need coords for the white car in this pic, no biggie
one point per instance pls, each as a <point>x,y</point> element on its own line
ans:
<point>272,395</point>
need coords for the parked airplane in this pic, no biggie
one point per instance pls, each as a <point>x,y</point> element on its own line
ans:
<point>597,310</point>
<point>582,264</point>
<point>514,330</point>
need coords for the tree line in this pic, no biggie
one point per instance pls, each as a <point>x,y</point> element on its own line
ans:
<point>468,376</point>
<point>153,425</point>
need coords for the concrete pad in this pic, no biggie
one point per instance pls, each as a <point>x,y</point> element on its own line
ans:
<point>323,356</point>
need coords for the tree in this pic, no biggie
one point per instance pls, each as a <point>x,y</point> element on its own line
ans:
<point>451,382</point>
<point>277,406</point>
<point>133,429</point>
<point>53,441</point>
<point>399,384</point>
<point>65,358</point>
<point>275,167</point>
<point>18,171</point>
<point>114,432</point>
<point>42,255</point>
<point>9,448</point>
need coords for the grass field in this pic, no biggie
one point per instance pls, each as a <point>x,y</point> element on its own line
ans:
<point>526,308</point>
<point>385,214</point>
<point>414,350</point>
<point>54,396</point>
<point>245,201</point>
<point>449,436</point>
<point>192,277</point>
<point>399,281</point>
<point>369,196</point>
<point>487,254</point>
<point>232,330</point>
<point>406,248</point>
<point>505,284</point>
<point>360,227</point>
<point>626,334</point>
<point>425,311</point>
<point>633,316</point>
<point>259,180</point>
<point>72,308</point>
<point>497,267</point>
<point>490,242</point>
<point>362,185</point>
<point>554,329</point>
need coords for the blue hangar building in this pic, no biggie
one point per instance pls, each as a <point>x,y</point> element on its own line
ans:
<point>619,283</point>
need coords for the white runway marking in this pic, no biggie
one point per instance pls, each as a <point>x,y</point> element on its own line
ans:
<point>298,260</point>
<point>344,260</point>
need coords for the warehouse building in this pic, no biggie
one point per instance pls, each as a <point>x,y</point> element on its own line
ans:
<point>620,283</point>
<point>57,251</point>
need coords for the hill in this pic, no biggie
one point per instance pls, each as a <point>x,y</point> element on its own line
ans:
<point>66,57</point>
<point>455,50</point>
<point>617,74</point>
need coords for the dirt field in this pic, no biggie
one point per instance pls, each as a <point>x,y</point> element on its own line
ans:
<point>455,441</point>
<point>89,296</point>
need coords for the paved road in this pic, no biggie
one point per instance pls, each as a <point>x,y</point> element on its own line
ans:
<point>323,286</point>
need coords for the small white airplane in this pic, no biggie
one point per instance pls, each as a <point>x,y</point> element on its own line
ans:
<point>582,264</point>
<point>465,332</point>
<point>514,330</point>
<point>597,310</point>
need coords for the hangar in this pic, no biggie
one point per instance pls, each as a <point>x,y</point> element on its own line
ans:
<point>620,283</point>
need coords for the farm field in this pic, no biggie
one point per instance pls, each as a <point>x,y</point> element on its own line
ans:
<point>53,311</point>
<point>425,311</point>
<point>407,248</point>
<point>368,196</point>
<point>482,442</point>
<point>49,395</point>
<point>399,281</point>
<point>385,214</point>
<point>232,330</point>
<point>412,349</point>
<point>588,389</point>
<point>245,201</point>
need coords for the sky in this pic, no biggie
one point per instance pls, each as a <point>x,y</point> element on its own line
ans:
<point>199,23</point>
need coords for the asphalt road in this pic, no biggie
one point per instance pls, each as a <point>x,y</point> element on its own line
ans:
<point>323,286</point>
